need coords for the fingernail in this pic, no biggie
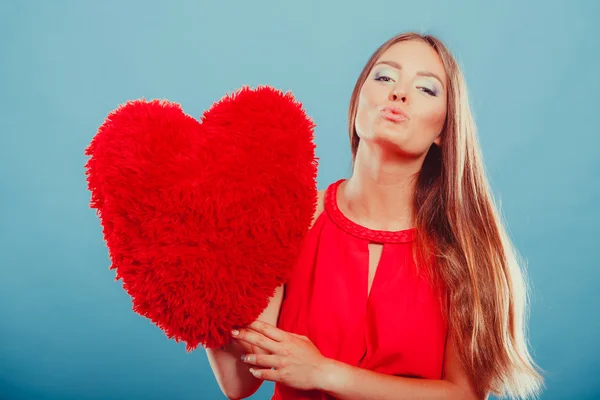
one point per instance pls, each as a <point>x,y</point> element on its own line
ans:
<point>252,371</point>
<point>235,332</point>
<point>243,357</point>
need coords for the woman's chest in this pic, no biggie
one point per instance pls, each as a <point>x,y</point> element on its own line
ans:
<point>388,319</point>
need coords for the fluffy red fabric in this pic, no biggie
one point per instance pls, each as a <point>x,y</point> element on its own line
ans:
<point>203,221</point>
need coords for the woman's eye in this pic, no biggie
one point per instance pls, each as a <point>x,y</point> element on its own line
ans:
<point>383,78</point>
<point>428,91</point>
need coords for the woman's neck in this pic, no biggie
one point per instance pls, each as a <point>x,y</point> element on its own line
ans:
<point>380,193</point>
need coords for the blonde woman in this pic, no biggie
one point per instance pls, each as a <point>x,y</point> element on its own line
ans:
<point>407,286</point>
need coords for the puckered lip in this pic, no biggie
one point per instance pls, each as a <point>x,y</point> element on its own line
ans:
<point>396,110</point>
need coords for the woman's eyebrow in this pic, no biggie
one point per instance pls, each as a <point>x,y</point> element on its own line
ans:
<point>420,73</point>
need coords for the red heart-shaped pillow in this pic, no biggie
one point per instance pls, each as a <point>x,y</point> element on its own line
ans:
<point>204,220</point>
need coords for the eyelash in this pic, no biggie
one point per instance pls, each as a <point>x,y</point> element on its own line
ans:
<point>427,90</point>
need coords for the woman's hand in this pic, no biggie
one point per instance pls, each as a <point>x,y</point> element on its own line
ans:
<point>242,347</point>
<point>295,360</point>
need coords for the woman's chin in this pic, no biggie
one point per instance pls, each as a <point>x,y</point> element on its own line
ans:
<point>392,144</point>
<point>391,137</point>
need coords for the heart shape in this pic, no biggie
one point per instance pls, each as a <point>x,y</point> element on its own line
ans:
<point>203,220</point>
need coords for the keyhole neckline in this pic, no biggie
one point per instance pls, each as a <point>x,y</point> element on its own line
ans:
<point>351,227</point>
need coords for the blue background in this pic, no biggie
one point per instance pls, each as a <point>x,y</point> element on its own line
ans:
<point>67,330</point>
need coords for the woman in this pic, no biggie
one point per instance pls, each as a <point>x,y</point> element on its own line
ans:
<point>407,285</point>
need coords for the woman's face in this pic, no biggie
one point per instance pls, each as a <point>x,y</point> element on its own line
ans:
<point>409,76</point>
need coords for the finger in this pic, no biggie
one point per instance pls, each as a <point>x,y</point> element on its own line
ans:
<point>263,360</point>
<point>270,331</point>
<point>258,350</point>
<point>252,347</point>
<point>247,348</point>
<point>299,336</point>
<point>256,339</point>
<point>272,375</point>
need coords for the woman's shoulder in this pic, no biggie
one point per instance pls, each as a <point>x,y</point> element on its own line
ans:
<point>326,199</point>
<point>320,206</point>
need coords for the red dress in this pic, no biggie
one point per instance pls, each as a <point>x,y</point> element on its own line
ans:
<point>398,328</point>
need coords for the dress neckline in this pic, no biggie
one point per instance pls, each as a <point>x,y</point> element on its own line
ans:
<point>351,227</point>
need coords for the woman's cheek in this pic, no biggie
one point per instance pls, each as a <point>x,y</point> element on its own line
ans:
<point>434,119</point>
<point>438,120</point>
<point>365,115</point>
<point>362,121</point>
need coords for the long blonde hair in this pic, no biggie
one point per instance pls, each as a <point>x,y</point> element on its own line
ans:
<point>460,227</point>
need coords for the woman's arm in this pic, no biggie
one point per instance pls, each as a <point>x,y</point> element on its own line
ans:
<point>344,381</point>
<point>232,374</point>
<point>295,361</point>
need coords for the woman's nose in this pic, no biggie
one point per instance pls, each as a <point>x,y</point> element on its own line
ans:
<point>397,93</point>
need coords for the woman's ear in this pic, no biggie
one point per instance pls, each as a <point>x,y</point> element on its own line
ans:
<point>438,140</point>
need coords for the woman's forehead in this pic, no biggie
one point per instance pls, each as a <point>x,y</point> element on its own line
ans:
<point>414,55</point>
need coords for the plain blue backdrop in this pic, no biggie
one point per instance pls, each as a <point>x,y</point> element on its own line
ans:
<point>67,330</point>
